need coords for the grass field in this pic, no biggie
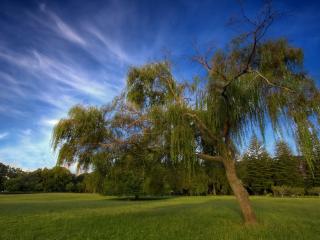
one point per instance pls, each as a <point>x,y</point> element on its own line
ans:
<point>90,216</point>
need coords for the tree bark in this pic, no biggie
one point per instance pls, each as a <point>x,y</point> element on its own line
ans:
<point>240,192</point>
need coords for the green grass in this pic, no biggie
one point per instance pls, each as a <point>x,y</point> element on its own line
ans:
<point>90,216</point>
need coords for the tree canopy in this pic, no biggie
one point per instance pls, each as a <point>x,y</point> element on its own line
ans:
<point>251,82</point>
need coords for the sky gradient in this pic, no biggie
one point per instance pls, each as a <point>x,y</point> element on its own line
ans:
<point>55,54</point>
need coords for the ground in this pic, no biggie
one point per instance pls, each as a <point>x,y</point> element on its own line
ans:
<point>89,216</point>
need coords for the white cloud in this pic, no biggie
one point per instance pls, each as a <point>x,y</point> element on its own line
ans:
<point>9,111</point>
<point>48,79</point>
<point>30,152</point>
<point>49,122</point>
<point>26,132</point>
<point>3,135</point>
<point>61,74</point>
<point>61,27</point>
<point>110,44</point>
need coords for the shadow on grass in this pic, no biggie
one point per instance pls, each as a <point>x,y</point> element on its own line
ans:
<point>143,198</point>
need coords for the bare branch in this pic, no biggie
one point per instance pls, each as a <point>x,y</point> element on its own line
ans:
<point>260,28</point>
<point>269,82</point>
<point>202,59</point>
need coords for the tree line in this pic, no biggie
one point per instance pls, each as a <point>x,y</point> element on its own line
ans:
<point>56,179</point>
<point>284,174</point>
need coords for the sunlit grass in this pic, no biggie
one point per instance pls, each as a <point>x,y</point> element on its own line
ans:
<point>90,216</point>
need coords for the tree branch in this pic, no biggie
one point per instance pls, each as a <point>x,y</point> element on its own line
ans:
<point>260,28</point>
<point>209,157</point>
<point>203,127</point>
<point>269,82</point>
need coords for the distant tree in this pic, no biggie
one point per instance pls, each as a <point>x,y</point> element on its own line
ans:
<point>3,175</point>
<point>59,177</point>
<point>14,185</point>
<point>6,173</point>
<point>286,167</point>
<point>20,181</point>
<point>255,168</point>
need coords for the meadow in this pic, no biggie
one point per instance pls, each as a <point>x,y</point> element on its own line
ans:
<point>92,216</point>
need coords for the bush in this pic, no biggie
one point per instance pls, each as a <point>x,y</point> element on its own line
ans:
<point>296,191</point>
<point>287,191</point>
<point>314,191</point>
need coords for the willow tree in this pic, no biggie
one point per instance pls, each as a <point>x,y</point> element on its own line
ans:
<point>110,140</point>
<point>250,83</point>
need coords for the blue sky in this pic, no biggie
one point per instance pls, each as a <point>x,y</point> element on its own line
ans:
<point>54,54</point>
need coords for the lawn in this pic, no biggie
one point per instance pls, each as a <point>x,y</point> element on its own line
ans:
<point>89,216</point>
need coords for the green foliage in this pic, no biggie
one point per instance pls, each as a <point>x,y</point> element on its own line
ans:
<point>312,177</point>
<point>286,167</point>
<point>57,179</point>
<point>150,85</point>
<point>156,182</point>
<point>70,187</point>
<point>314,191</point>
<point>287,191</point>
<point>78,136</point>
<point>159,121</point>
<point>217,183</point>
<point>6,173</point>
<point>255,169</point>
<point>3,175</point>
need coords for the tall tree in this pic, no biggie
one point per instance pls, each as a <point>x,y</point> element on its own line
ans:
<point>256,168</point>
<point>251,82</point>
<point>286,167</point>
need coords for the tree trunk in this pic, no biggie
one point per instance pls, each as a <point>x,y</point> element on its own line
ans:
<point>240,192</point>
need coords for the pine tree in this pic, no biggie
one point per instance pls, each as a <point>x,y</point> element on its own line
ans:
<point>256,168</point>
<point>286,167</point>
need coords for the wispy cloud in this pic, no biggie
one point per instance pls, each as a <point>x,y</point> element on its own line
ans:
<point>10,86</point>
<point>62,74</point>
<point>61,27</point>
<point>3,135</point>
<point>110,44</point>
<point>30,152</point>
<point>11,112</point>
<point>50,122</point>
<point>26,132</point>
